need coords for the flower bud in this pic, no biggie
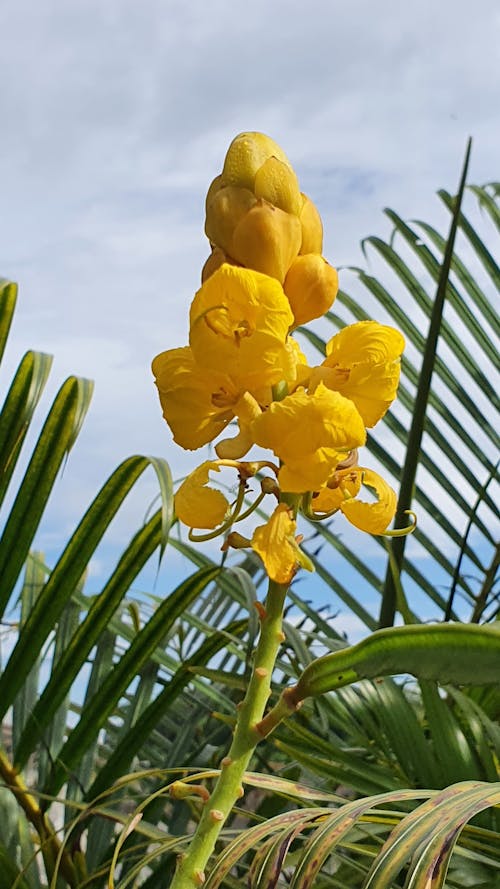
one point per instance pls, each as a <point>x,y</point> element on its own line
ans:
<point>311,285</point>
<point>266,239</point>
<point>226,207</point>
<point>247,152</point>
<point>214,262</point>
<point>312,228</point>
<point>277,183</point>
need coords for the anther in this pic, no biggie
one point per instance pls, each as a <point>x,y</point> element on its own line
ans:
<point>199,877</point>
<point>261,672</point>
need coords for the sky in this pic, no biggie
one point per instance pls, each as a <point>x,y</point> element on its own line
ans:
<point>115,118</point>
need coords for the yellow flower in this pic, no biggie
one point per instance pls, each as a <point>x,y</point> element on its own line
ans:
<point>197,505</point>
<point>363,363</point>
<point>196,405</point>
<point>276,544</point>
<point>239,321</point>
<point>310,433</point>
<point>373,517</point>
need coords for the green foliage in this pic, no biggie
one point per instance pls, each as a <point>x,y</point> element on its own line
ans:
<point>107,700</point>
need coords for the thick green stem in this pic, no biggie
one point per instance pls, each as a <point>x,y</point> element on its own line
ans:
<point>229,789</point>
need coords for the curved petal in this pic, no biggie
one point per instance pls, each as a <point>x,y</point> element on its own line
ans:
<point>247,410</point>
<point>374,517</point>
<point>198,506</point>
<point>329,498</point>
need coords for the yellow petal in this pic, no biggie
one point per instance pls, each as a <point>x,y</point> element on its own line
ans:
<point>310,433</point>
<point>247,409</point>
<point>197,404</point>
<point>374,517</point>
<point>329,498</point>
<point>363,363</point>
<point>199,506</point>
<point>239,321</point>
<point>276,545</point>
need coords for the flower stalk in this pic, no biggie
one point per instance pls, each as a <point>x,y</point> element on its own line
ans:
<point>265,276</point>
<point>190,873</point>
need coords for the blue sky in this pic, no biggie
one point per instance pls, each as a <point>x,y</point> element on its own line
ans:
<point>115,118</point>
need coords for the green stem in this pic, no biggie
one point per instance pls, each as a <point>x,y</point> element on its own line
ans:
<point>229,789</point>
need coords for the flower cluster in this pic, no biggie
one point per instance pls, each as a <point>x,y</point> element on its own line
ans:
<point>264,277</point>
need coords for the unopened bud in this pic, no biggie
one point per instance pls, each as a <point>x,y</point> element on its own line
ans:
<point>267,239</point>
<point>246,154</point>
<point>312,228</point>
<point>214,262</point>
<point>277,183</point>
<point>236,541</point>
<point>225,209</point>
<point>311,286</point>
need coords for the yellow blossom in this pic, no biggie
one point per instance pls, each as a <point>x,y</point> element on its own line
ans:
<point>363,364</point>
<point>311,434</point>
<point>196,405</point>
<point>374,517</point>
<point>239,322</point>
<point>276,544</point>
<point>198,505</point>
